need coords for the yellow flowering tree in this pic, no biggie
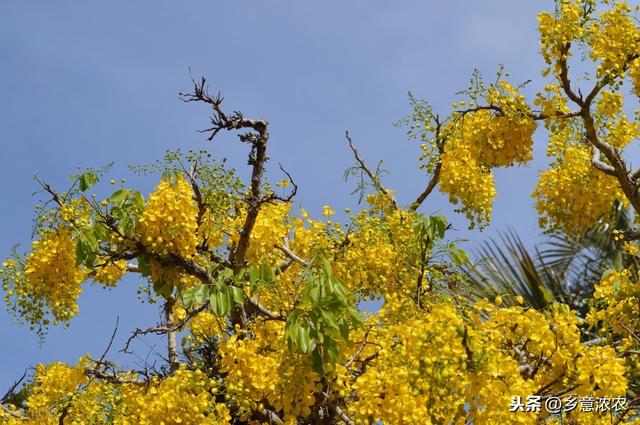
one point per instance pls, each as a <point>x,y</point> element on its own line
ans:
<point>260,300</point>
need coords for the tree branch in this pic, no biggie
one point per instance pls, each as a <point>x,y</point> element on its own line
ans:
<point>257,157</point>
<point>597,162</point>
<point>436,172</point>
<point>11,413</point>
<point>367,170</point>
<point>292,255</point>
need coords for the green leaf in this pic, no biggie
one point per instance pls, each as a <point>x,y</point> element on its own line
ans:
<point>86,248</point>
<point>221,301</point>
<point>329,319</point>
<point>345,330</point>
<point>138,202</point>
<point>125,224</point>
<point>326,267</point>
<point>143,265</point>
<point>237,295</point>
<point>332,350</point>
<point>119,197</point>
<point>162,288</point>
<point>266,273</point>
<point>87,180</point>
<point>254,276</point>
<point>303,339</point>
<point>355,314</point>
<point>81,253</point>
<point>194,295</point>
<point>548,296</point>
<point>458,256</point>
<point>100,230</point>
<point>318,365</point>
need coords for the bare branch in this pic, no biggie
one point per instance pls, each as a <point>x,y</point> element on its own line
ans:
<point>364,364</point>
<point>263,311</point>
<point>113,335</point>
<point>564,75</point>
<point>11,413</point>
<point>557,114</point>
<point>436,172</point>
<point>50,190</point>
<point>293,256</point>
<point>165,327</point>
<point>631,234</point>
<point>367,170</point>
<point>100,371</point>
<point>257,157</point>
<point>172,346</point>
<point>197,194</point>
<point>358,351</point>
<point>338,411</point>
<point>12,389</point>
<point>597,162</point>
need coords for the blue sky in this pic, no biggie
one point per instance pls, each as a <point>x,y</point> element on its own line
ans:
<point>87,83</point>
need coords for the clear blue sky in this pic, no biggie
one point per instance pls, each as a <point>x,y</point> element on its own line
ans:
<point>87,83</point>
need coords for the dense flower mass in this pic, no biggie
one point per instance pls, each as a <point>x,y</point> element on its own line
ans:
<point>480,139</point>
<point>468,182</point>
<point>49,282</point>
<point>186,397</point>
<point>613,39</point>
<point>267,313</point>
<point>557,31</point>
<point>169,222</point>
<point>573,195</point>
<point>109,272</point>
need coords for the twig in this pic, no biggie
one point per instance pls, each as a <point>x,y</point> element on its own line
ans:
<point>597,162</point>
<point>292,255</point>
<point>11,413</point>
<point>113,335</point>
<point>436,172</point>
<point>372,176</point>
<point>11,391</point>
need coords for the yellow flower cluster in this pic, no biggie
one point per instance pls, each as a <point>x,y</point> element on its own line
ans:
<point>77,213</point>
<point>418,375</point>
<point>610,104</point>
<point>573,195</point>
<point>551,103</point>
<point>632,248</point>
<point>59,390</point>
<point>213,226</point>
<point>109,272</point>
<point>601,373</point>
<point>186,397</point>
<point>206,325</point>
<point>508,134</point>
<point>272,225</point>
<point>634,73</point>
<point>55,382</point>
<point>467,182</point>
<point>614,38</point>
<point>616,305</point>
<point>478,141</point>
<point>381,255</point>
<point>556,31</point>
<point>169,222</point>
<point>52,278</point>
<point>620,132</point>
<point>262,370</point>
